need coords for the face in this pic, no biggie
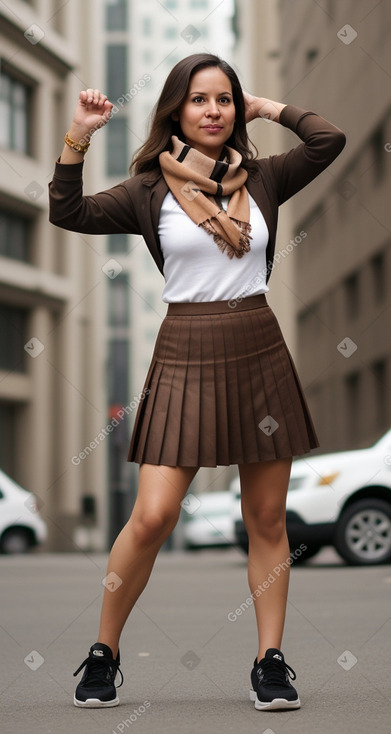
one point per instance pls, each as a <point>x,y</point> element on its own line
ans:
<point>207,114</point>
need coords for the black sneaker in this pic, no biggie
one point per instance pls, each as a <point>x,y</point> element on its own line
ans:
<point>96,688</point>
<point>271,686</point>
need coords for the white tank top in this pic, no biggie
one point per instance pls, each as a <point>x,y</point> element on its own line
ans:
<point>194,267</point>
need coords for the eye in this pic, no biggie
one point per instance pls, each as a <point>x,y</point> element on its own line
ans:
<point>225,100</point>
<point>198,98</point>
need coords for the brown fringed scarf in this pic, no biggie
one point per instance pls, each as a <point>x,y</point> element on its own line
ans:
<point>198,183</point>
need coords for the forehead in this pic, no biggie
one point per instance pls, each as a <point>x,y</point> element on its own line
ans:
<point>212,77</point>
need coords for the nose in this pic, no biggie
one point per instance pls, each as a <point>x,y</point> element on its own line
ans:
<point>213,110</point>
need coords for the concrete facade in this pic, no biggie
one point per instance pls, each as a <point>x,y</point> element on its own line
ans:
<point>336,60</point>
<point>52,401</point>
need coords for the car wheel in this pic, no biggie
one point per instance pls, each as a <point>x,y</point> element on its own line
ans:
<point>363,533</point>
<point>15,540</point>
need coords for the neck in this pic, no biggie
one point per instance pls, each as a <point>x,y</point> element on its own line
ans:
<point>216,154</point>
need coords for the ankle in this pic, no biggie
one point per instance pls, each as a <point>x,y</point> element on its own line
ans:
<point>112,645</point>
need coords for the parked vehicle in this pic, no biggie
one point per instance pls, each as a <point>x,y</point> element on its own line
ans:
<point>207,520</point>
<point>21,526</point>
<point>341,499</point>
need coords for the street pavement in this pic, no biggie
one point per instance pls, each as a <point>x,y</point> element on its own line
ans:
<point>186,663</point>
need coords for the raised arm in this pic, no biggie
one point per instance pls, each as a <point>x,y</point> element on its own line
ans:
<point>92,112</point>
<point>108,212</point>
<point>289,172</point>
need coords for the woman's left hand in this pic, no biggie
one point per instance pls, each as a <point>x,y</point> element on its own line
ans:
<point>251,106</point>
<point>261,107</point>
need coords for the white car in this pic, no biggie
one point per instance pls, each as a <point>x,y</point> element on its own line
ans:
<point>341,499</point>
<point>207,520</point>
<point>21,526</point>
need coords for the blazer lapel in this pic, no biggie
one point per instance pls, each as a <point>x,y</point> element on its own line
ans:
<point>157,191</point>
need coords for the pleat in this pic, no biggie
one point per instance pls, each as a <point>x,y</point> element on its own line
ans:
<point>289,402</point>
<point>144,414</point>
<point>189,421</point>
<point>221,395</point>
<point>256,398</point>
<point>213,379</point>
<point>208,423</point>
<point>170,454</point>
<point>235,410</point>
<point>265,406</point>
<point>307,429</point>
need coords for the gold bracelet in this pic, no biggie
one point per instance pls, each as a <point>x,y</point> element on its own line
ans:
<point>78,147</point>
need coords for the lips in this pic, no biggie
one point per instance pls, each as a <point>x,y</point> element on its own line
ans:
<point>214,128</point>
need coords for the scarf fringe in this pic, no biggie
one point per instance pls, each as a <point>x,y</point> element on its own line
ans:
<point>226,247</point>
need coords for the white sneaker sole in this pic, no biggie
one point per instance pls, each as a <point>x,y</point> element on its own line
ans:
<point>276,705</point>
<point>95,703</point>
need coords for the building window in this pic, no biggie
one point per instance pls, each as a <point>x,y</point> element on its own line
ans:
<point>379,371</point>
<point>377,144</point>
<point>147,26</point>
<point>116,15</point>
<point>117,147</point>
<point>14,236</point>
<point>170,32</point>
<point>118,243</point>
<point>378,266</point>
<point>147,57</point>
<point>12,338</point>
<point>352,296</point>
<point>311,55</point>
<point>116,71</point>
<point>14,113</point>
<point>330,9</point>
<point>201,4</point>
<point>353,384</point>
<point>118,371</point>
<point>8,438</point>
<point>119,301</point>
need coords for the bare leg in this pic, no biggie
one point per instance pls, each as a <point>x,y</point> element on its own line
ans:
<point>155,514</point>
<point>264,486</point>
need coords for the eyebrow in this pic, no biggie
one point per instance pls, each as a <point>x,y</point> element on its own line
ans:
<point>195,92</point>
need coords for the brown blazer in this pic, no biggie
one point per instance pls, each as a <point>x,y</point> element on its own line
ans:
<point>133,206</point>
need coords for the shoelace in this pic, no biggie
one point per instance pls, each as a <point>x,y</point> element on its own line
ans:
<point>97,667</point>
<point>275,671</point>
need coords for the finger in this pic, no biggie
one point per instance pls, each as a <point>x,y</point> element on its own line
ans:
<point>90,95</point>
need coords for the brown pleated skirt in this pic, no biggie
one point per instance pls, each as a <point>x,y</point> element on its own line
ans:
<point>221,389</point>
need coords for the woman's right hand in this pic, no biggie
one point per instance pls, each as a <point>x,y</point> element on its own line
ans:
<point>92,111</point>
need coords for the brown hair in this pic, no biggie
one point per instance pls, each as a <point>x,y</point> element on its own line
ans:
<point>173,94</point>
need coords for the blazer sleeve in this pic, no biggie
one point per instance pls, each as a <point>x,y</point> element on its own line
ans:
<point>322,143</point>
<point>109,212</point>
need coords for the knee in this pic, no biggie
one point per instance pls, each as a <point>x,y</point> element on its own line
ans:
<point>266,523</point>
<point>153,524</point>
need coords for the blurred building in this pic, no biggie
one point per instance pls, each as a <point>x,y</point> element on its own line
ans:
<point>52,389</point>
<point>336,60</point>
<point>79,314</point>
<point>257,59</point>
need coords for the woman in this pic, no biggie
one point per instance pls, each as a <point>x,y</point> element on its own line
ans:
<point>221,388</point>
